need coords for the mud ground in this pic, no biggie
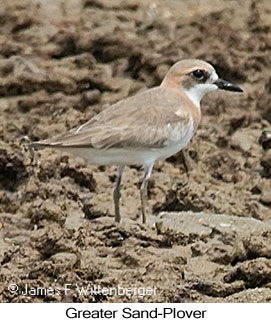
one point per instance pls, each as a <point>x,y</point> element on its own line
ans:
<point>62,62</point>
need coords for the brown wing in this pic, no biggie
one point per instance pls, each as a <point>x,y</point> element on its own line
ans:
<point>144,120</point>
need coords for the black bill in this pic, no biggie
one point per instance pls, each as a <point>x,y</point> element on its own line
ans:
<point>225,85</point>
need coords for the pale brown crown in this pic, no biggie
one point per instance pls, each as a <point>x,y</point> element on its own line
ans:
<point>181,73</point>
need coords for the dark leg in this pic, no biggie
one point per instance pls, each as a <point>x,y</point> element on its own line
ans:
<point>117,195</point>
<point>144,192</point>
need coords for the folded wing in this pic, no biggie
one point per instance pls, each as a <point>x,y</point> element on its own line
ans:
<point>150,119</point>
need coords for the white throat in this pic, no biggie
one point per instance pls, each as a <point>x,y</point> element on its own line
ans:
<point>197,92</point>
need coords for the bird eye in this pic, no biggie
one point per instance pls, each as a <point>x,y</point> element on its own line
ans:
<point>198,74</point>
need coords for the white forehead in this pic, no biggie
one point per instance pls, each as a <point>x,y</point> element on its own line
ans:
<point>213,77</point>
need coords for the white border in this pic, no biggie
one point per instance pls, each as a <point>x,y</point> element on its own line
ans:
<point>52,312</point>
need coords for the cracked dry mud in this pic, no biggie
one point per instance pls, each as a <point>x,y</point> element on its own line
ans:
<point>62,63</point>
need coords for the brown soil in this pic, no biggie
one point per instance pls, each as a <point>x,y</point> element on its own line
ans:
<point>62,62</point>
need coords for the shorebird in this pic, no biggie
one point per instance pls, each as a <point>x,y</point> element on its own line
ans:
<point>146,127</point>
